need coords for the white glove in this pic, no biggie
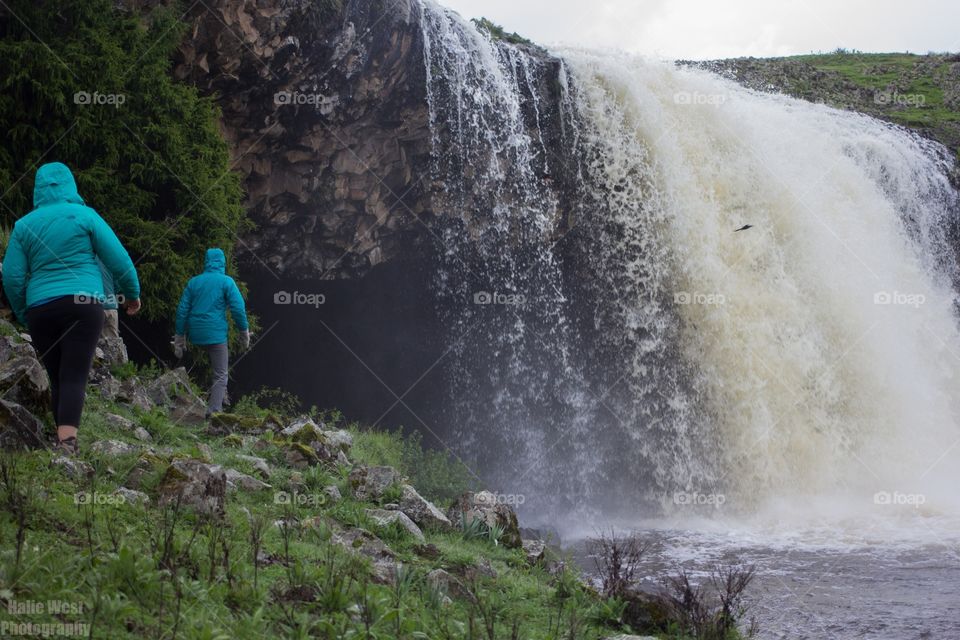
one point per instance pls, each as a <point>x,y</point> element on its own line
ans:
<point>179,346</point>
<point>245,340</point>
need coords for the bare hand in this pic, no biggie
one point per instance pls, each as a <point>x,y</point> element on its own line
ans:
<point>133,306</point>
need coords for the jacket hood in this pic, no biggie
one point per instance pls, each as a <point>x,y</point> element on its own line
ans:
<point>54,183</point>
<point>215,261</point>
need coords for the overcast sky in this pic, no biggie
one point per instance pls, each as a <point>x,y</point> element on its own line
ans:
<point>703,29</point>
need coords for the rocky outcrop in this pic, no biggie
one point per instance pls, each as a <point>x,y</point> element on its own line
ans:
<point>325,112</point>
<point>484,506</point>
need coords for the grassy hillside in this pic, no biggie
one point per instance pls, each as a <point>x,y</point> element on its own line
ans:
<point>917,91</point>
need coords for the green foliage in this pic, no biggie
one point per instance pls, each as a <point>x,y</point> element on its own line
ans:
<point>437,475</point>
<point>89,85</point>
<point>497,32</point>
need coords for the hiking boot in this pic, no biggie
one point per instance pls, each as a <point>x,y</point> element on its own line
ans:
<point>68,447</point>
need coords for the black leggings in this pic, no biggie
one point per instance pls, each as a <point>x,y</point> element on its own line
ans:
<point>65,334</point>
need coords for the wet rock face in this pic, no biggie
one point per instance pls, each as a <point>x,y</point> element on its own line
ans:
<point>326,112</point>
<point>326,116</point>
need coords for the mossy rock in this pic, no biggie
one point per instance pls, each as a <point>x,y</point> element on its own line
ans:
<point>236,422</point>
<point>233,440</point>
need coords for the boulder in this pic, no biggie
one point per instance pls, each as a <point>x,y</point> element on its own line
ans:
<point>113,448</point>
<point>188,410</point>
<point>23,379</point>
<point>20,429</point>
<point>110,352</point>
<point>340,439</point>
<point>132,392</point>
<point>119,422</point>
<point>259,464</point>
<point>362,542</point>
<point>303,430</point>
<point>449,585</point>
<point>238,480</point>
<point>483,505</point>
<point>422,511</point>
<point>131,496</point>
<point>166,388</point>
<point>370,483</point>
<point>384,518</point>
<point>195,483</point>
<point>535,550</point>
<point>333,494</point>
<point>72,467</point>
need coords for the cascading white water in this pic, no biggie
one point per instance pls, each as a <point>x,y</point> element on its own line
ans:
<point>825,337</point>
<point>815,355</point>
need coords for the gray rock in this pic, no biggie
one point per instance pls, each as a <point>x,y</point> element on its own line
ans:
<point>362,542</point>
<point>113,448</point>
<point>133,393</point>
<point>131,496</point>
<point>23,379</point>
<point>259,464</point>
<point>422,511</point>
<point>188,410</point>
<point>449,585</point>
<point>74,468</point>
<point>169,386</point>
<point>370,483</point>
<point>333,493</point>
<point>535,551</point>
<point>484,506</point>
<point>142,435</point>
<point>302,430</point>
<point>384,518</point>
<point>340,439</point>
<point>20,429</point>
<point>238,480</point>
<point>109,388</point>
<point>119,422</point>
<point>195,483</point>
<point>110,352</point>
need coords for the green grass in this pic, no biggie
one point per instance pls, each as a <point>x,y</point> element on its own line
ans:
<point>145,571</point>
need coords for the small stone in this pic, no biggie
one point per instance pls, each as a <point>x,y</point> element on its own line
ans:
<point>119,422</point>
<point>238,480</point>
<point>142,435</point>
<point>259,464</point>
<point>72,467</point>
<point>113,448</point>
<point>131,496</point>
<point>333,493</point>
<point>385,518</point>
<point>370,483</point>
<point>422,511</point>
<point>449,585</point>
<point>535,551</point>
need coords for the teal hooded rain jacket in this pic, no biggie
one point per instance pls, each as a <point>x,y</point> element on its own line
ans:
<point>202,313</point>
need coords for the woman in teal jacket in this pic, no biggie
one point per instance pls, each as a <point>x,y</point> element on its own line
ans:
<point>52,278</point>
<point>202,317</point>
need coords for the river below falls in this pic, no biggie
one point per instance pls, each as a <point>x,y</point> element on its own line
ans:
<point>824,583</point>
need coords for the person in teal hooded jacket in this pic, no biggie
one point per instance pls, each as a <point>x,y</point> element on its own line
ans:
<point>202,318</point>
<point>52,279</point>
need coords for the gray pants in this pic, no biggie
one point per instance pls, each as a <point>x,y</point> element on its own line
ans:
<point>219,361</point>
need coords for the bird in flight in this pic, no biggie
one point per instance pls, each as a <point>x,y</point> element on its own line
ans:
<point>744,228</point>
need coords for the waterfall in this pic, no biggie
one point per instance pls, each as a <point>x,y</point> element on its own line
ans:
<point>655,350</point>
